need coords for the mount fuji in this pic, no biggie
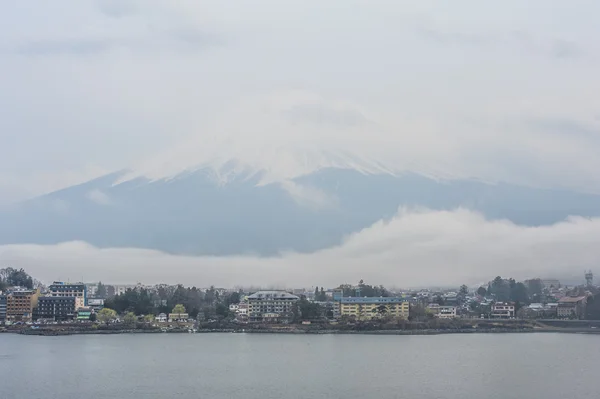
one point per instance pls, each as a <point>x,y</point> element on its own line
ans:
<point>265,203</point>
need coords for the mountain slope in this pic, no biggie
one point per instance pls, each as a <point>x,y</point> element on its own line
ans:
<point>194,213</point>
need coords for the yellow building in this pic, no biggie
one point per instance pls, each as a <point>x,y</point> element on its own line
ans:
<point>369,308</point>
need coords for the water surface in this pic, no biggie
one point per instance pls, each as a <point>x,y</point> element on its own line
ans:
<point>252,366</point>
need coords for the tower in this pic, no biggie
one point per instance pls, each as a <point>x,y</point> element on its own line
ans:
<point>589,278</point>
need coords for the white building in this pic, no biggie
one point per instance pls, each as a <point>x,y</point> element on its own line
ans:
<point>503,310</point>
<point>161,318</point>
<point>446,312</point>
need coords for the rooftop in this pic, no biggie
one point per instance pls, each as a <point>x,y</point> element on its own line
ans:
<point>373,300</point>
<point>272,295</point>
<point>571,299</point>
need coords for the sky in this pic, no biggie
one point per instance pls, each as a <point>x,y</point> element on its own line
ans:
<point>503,91</point>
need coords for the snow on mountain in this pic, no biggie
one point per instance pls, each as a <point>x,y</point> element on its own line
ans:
<point>269,164</point>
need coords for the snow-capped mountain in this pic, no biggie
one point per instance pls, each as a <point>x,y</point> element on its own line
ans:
<point>262,202</point>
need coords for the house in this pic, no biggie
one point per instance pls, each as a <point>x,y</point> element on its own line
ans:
<point>161,318</point>
<point>502,310</point>
<point>181,317</point>
<point>571,307</point>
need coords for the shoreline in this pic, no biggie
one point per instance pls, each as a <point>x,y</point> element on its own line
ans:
<point>40,332</point>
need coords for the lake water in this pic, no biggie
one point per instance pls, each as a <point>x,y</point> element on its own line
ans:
<point>252,366</point>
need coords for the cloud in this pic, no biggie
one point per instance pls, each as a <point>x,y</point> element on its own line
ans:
<point>98,197</point>
<point>416,248</point>
<point>309,197</point>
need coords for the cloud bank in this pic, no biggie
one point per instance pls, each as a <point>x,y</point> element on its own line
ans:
<point>416,248</point>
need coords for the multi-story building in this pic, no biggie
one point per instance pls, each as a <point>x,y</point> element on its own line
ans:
<point>2,308</point>
<point>271,306</point>
<point>20,305</point>
<point>75,290</point>
<point>369,308</point>
<point>571,307</point>
<point>442,312</point>
<point>502,310</point>
<point>56,308</point>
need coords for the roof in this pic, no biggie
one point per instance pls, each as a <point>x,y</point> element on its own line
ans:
<point>371,300</point>
<point>272,295</point>
<point>571,299</point>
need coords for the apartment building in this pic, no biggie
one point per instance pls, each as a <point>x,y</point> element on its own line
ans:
<point>271,306</point>
<point>75,290</point>
<point>2,308</point>
<point>20,305</point>
<point>571,307</point>
<point>369,308</point>
<point>56,308</point>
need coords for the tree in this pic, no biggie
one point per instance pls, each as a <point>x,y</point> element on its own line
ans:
<point>13,277</point>
<point>130,318</point>
<point>234,297</point>
<point>381,310</point>
<point>481,291</point>
<point>322,295</point>
<point>178,309</point>
<point>221,310</point>
<point>93,317</point>
<point>106,315</point>
<point>101,291</point>
<point>110,291</point>
<point>462,293</point>
<point>519,293</point>
<point>149,318</point>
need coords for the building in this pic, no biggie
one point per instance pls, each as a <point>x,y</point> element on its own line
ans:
<point>178,317</point>
<point>550,283</point>
<point>369,308</point>
<point>571,307</point>
<point>20,305</point>
<point>2,308</point>
<point>56,308</point>
<point>84,314</point>
<point>76,290</point>
<point>161,318</point>
<point>271,306</point>
<point>502,310</point>
<point>96,304</point>
<point>234,307</point>
<point>446,312</point>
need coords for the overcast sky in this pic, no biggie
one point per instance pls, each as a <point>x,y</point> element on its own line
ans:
<point>496,90</point>
<point>505,90</point>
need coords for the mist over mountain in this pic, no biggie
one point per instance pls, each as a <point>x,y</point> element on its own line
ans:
<point>236,209</point>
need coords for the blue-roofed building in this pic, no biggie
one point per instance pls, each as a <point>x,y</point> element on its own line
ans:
<point>363,308</point>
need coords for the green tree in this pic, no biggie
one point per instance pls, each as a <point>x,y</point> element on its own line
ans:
<point>481,291</point>
<point>106,315</point>
<point>101,291</point>
<point>130,318</point>
<point>381,310</point>
<point>149,318</point>
<point>322,295</point>
<point>178,309</point>
<point>233,298</point>
<point>221,310</point>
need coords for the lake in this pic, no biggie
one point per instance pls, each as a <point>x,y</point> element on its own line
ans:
<point>252,366</point>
